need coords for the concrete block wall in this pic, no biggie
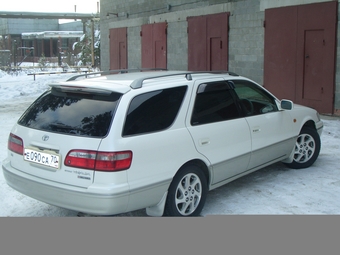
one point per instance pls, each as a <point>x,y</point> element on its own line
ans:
<point>145,12</point>
<point>246,34</point>
<point>177,46</point>
<point>246,40</point>
<point>246,30</point>
<point>134,47</point>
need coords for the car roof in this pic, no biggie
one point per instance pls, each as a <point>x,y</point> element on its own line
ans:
<point>122,82</point>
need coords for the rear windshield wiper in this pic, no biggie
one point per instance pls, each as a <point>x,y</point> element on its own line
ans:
<point>66,127</point>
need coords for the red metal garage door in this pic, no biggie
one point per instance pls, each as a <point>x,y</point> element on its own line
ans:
<point>316,42</point>
<point>197,45</point>
<point>208,42</point>
<point>154,45</point>
<point>118,48</point>
<point>299,63</point>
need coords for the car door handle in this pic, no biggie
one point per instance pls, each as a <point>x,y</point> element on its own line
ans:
<point>256,129</point>
<point>204,141</point>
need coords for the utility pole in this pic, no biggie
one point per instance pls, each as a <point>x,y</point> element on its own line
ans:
<point>92,43</point>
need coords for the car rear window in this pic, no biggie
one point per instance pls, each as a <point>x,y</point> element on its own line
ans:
<point>153,111</point>
<point>86,114</point>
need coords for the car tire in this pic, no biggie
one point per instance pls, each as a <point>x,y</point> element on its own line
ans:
<point>307,148</point>
<point>187,193</point>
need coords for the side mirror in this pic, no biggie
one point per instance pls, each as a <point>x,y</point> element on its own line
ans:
<point>286,104</point>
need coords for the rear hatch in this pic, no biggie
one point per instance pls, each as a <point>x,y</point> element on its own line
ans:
<point>61,121</point>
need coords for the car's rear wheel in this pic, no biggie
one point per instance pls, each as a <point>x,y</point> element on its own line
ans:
<point>187,193</point>
<point>307,148</point>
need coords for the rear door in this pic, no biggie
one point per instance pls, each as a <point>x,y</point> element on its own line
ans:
<point>61,121</point>
<point>38,144</point>
<point>218,130</point>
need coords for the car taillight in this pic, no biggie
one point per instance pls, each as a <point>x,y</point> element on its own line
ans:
<point>15,144</point>
<point>98,160</point>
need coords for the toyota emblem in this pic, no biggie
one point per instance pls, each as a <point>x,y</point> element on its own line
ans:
<point>45,138</point>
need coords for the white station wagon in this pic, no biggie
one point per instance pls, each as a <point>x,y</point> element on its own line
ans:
<point>158,140</point>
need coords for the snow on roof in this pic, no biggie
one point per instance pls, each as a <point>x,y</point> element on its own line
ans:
<point>52,34</point>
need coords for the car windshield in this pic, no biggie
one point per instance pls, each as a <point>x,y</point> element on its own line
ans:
<point>83,114</point>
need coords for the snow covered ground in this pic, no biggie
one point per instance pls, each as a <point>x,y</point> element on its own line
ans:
<point>272,190</point>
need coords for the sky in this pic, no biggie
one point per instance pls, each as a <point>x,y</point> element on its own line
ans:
<point>82,6</point>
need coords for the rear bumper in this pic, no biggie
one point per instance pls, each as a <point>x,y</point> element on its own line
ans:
<point>96,200</point>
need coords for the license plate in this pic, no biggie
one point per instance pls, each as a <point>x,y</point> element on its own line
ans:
<point>42,158</point>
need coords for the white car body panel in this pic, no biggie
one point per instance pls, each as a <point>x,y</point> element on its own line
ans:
<point>212,140</point>
<point>270,142</point>
<point>98,199</point>
<point>226,150</point>
<point>61,144</point>
<point>225,161</point>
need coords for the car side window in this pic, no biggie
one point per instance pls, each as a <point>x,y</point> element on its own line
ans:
<point>153,111</point>
<point>214,102</point>
<point>253,99</point>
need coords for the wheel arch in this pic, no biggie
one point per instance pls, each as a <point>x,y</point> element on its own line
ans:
<point>306,124</point>
<point>188,200</point>
<point>309,123</point>
<point>158,210</point>
<point>310,130</point>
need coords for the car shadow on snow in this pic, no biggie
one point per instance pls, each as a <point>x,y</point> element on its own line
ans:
<point>252,183</point>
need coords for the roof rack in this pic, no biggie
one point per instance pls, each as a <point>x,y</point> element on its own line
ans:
<point>217,72</point>
<point>138,83</point>
<point>73,78</point>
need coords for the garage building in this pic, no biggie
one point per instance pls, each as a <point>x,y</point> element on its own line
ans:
<point>288,46</point>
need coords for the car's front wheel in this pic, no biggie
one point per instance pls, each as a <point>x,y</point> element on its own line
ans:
<point>187,193</point>
<point>307,148</point>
